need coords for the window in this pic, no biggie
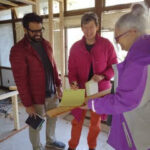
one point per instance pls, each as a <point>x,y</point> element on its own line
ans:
<point>5,15</point>
<point>44,7</point>
<point>21,11</point>
<point>121,54</point>
<point>73,35</point>
<point>80,4</point>
<point>118,2</point>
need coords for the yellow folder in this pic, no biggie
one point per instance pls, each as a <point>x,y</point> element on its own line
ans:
<point>73,97</point>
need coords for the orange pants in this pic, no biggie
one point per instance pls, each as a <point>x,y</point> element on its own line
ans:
<point>94,130</point>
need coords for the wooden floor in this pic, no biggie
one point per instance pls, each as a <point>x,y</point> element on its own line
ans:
<point>20,141</point>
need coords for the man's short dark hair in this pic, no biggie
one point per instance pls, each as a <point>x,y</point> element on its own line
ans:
<point>89,16</point>
<point>31,17</point>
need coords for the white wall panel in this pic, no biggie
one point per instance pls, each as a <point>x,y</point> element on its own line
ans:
<point>6,42</point>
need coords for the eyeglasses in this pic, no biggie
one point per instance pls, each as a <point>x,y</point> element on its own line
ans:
<point>37,31</point>
<point>119,36</point>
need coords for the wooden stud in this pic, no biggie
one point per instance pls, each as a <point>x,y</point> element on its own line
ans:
<point>7,95</point>
<point>77,12</point>
<point>15,112</point>
<point>60,1</point>
<point>29,2</point>
<point>65,6</point>
<point>51,25</point>
<point>13,96</point>
<point>117,7</point>
<point>2,7</point>
<point>6,2</point>
<point>36,7</point>
<point>13,25</point>
<point>98,10</point>
<point>62,46</point>
<point>12,88</point>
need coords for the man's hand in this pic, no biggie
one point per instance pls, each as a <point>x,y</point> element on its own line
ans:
<point>31,111</point>
<point>98,78</point>
<point>74,85</point>
<point>59,92</point>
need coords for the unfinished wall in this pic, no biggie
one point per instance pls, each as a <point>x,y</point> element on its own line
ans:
<point>8,79</point>
<point>6,43</point>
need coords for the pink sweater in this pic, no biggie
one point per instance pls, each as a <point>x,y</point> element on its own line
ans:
<point>102,56</point>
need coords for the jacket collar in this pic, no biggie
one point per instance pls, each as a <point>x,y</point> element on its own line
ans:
<point>27,41</point>
<point>46,47</point>
<point>96,38</point>
<point>83,41</point>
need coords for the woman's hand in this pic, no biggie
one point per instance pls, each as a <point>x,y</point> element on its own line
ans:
<point>74,85</point>
<point>85,106</point>
<point>98,78</point>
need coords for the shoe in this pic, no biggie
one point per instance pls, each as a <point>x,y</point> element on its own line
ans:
<point>40,147</point>
<point>71,149</point>
<point>56,145</point>
<point>91,148</point>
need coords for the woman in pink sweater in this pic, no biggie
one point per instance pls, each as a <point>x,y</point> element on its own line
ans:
<point>90,58</point>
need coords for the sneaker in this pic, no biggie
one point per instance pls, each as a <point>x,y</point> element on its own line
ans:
<point>56,145</point>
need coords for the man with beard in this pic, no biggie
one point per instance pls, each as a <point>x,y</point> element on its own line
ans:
<point>37,79</point>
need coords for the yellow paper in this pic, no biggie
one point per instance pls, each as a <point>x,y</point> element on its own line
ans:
<point>73,97</point>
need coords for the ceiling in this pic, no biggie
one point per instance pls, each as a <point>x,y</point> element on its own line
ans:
<point>7,4</point>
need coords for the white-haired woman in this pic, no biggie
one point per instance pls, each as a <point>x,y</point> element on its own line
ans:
<point>130,104</point>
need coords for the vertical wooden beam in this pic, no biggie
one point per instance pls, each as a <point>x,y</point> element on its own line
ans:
<point>147,2</point>
<point>15,112</point>
<point>65,6</point>
<point>99,4</point>
<point>62,46</point>
<point>104,3</point>
<point>36,7</point>
<point>51,25</point>
<point>13,25</point>
<point>66,49</point>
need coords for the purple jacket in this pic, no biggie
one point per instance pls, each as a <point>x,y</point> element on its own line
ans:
<point>130,105</point>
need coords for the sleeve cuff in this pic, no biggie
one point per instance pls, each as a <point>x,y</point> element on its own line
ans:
<point>91,105</point>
